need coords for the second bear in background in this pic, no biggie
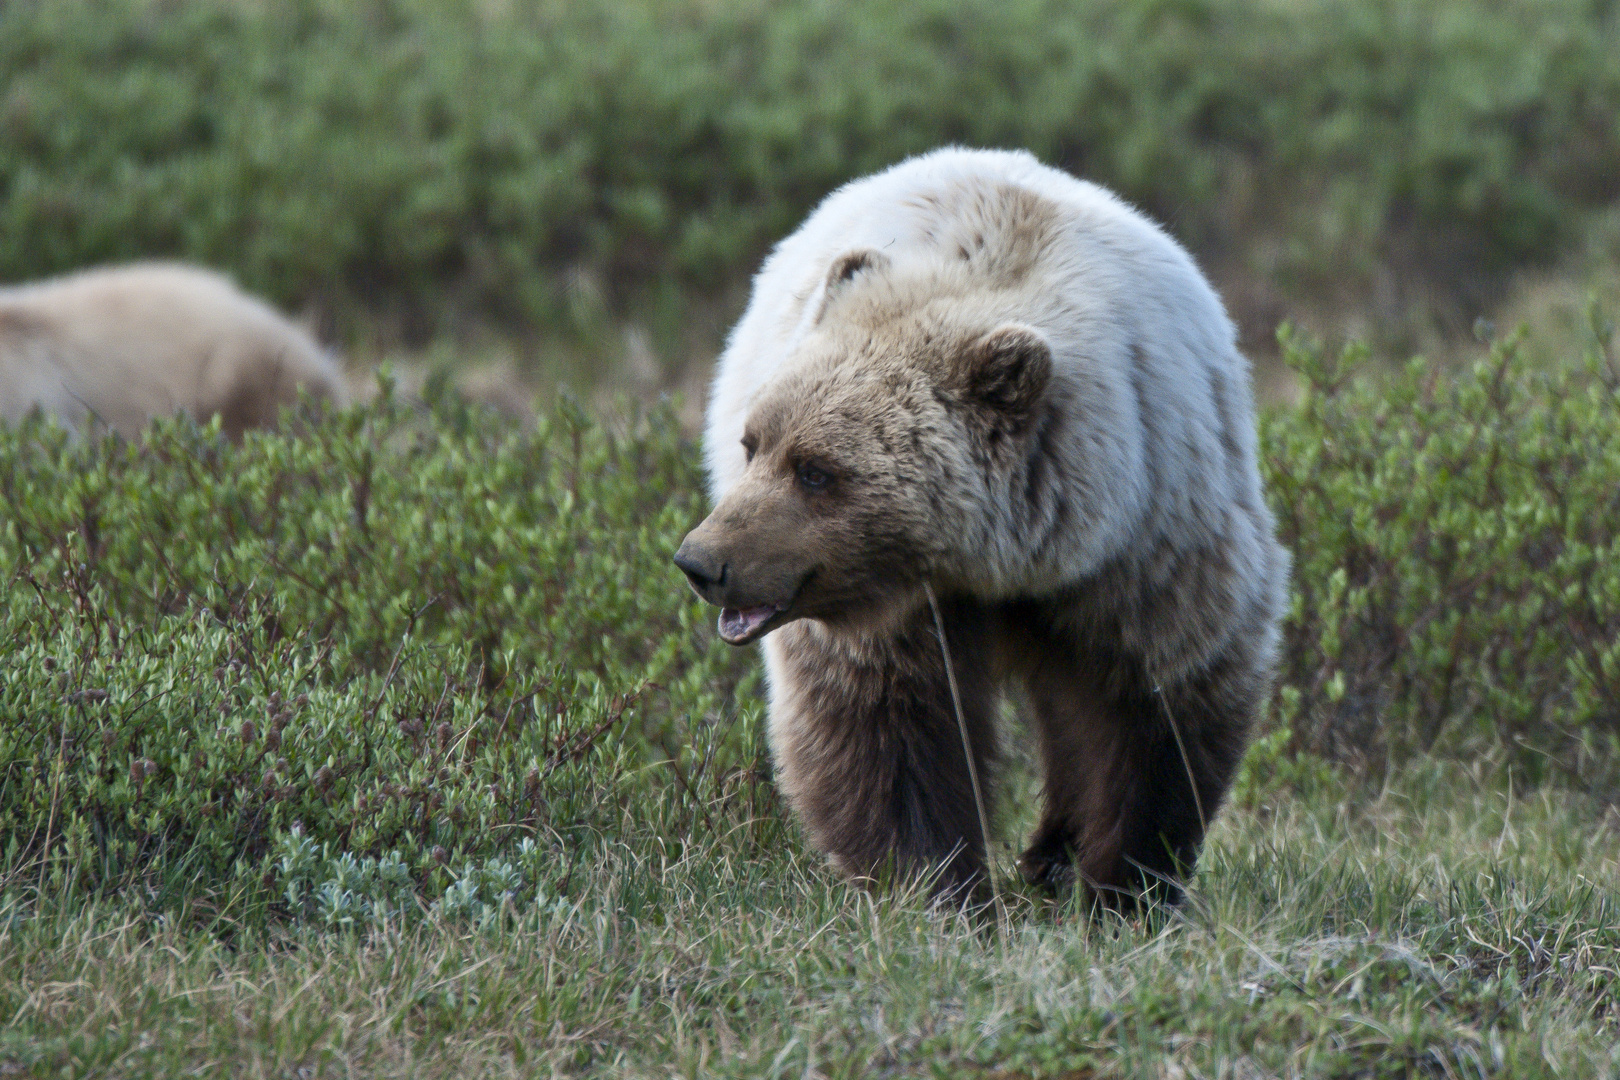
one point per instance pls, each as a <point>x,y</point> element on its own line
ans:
<point>121,345</point>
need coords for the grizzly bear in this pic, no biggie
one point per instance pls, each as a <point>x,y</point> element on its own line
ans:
<point>976,375</point>
<point>120,345</point>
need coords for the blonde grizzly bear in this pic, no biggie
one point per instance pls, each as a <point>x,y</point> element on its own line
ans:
<point>120,345</point>
<point>981,375</point>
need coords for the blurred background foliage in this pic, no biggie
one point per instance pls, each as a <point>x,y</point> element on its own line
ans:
<point>555,182</point>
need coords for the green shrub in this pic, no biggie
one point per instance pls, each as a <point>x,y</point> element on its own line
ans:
<point>1457,557</point>
<point>541,162</point>
<point>393,657</point>
<point>414,639</point>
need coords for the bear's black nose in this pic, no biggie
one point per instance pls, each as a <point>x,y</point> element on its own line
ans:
<point>701,568</point>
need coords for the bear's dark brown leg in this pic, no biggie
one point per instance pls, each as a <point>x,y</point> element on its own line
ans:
<point>1126,809</point>
<point>868,750</point>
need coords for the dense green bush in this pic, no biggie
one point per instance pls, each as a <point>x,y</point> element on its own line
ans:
<point>396,655</point>
<point>416,639</point>
<point>543,161</point>
<point>1457,557</point>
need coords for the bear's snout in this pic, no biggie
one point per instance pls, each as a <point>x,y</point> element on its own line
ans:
<point>754,584</point>
<point>702,567</point>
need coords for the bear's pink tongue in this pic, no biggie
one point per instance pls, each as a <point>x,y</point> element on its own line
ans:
<point>737,623</point>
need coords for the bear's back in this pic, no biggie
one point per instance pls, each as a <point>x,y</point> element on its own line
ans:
<point>932,207</point>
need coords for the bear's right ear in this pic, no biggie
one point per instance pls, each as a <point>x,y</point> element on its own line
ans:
<point>845,269</point>
<point>1006,372</point>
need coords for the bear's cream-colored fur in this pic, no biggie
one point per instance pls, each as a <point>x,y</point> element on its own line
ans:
<point>979,374</point>
<point>120,345</point>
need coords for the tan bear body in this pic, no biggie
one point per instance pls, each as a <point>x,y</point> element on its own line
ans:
<point>124,344</point>
<point>981,375</point>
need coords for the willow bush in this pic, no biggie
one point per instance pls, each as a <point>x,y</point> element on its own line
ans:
<point>395,656</point>
<point>1457,557</point>
<point>417,638</point>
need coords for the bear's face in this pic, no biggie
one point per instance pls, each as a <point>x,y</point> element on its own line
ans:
<point>868,466</point>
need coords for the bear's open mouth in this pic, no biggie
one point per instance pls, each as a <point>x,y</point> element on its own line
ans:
<point>739,626</point>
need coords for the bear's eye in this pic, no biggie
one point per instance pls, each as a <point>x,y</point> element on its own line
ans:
<point>813,479</point>
<point>750,443</point>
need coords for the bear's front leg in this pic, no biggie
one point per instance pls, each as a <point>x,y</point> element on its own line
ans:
<point>868,750</point>
<point>1134,771</point>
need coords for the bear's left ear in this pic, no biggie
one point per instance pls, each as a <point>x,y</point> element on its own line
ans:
<point>1006,372</point>
<point>845,269</point>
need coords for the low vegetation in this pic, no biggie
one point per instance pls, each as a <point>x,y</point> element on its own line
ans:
<point>392,744</point>
<point>1457,557</point>
<point>418,638</point>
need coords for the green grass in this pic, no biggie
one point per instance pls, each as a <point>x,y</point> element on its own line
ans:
<point>1437,928</point>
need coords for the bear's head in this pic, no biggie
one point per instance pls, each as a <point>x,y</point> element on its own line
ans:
<point>872,459</point>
